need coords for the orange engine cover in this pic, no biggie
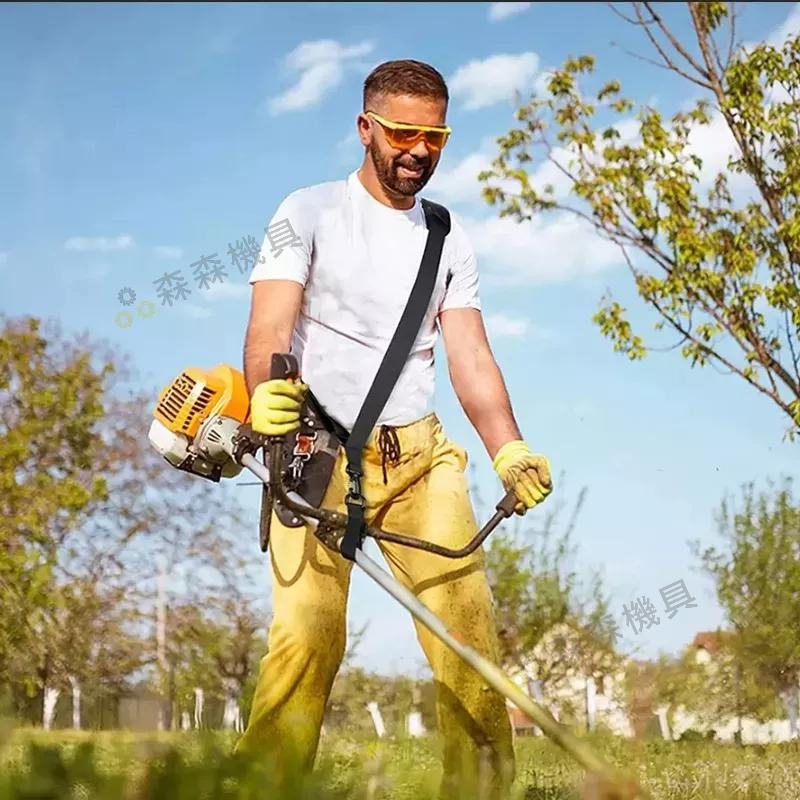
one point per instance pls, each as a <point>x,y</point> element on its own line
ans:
<point>196,394</point>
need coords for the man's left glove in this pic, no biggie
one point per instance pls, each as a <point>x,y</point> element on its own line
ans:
<point>524,473</point>
<point>275,406</point>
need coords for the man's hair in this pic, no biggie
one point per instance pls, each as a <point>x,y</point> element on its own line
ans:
<point>404,77</point>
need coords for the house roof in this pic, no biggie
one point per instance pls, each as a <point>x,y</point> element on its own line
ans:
<point>711,641</point>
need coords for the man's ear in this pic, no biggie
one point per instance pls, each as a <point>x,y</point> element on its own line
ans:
<point>364,129</point>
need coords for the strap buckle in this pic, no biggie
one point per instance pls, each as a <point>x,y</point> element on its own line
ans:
<point>354,495</point>
<point>304,445</point>
<point>303,450</point>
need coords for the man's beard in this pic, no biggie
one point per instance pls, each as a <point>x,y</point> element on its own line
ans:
<point>386,170</point>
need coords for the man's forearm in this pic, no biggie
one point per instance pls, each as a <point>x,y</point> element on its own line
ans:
<point>484,398</point>
<point>258,354</point>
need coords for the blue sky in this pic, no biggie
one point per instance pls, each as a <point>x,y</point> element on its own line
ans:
<point>137,139</point>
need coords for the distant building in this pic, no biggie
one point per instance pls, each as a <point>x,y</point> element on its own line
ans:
<point>708,648</point>
<point>604,700</point>
<point>597,699</point>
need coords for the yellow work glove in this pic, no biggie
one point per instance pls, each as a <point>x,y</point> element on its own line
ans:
<point>524,473</point>
<point>275,407</point>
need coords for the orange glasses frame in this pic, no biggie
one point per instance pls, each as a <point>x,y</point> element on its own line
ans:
<point>435,136</point>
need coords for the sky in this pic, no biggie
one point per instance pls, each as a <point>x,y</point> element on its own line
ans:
<point>137,140</point>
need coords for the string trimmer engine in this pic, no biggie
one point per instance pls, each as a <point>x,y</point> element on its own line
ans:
<point>201,421</point>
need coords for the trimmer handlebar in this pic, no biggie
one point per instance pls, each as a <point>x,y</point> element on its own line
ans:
<point>284,366</point>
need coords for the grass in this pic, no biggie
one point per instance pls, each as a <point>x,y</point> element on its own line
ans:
<point>123,766</point>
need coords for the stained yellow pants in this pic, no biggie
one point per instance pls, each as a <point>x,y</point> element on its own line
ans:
<point>425,495</point>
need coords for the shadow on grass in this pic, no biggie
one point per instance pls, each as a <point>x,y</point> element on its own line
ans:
<point>550,793</point>
<point>51,773</point>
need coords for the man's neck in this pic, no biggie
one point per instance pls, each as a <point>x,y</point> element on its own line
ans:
<point>369,180</point>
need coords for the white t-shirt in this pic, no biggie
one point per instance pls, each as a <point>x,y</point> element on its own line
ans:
<point>358,259</point>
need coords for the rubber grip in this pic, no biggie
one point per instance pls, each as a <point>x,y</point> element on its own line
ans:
<point>284,367</point>
<point>508,503</point>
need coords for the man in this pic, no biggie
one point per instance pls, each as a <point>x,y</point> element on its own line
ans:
<point>332,281</point>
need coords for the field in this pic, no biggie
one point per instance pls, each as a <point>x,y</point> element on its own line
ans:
<point>120,766</point>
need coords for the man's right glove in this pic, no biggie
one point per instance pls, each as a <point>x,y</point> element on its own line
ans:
<point>524,473</point>
<point>275,407</point>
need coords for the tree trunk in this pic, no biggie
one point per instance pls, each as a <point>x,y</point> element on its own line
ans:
<point>199,705</point>
<point>663,723</point>
<point>161,642</point>
<point>414,724</point>
<point>591,704</point>
<point>232,715</point>
<point>791,703</point>
<point>49,706</point>
<point>377,719</point>
<point>76,703</point>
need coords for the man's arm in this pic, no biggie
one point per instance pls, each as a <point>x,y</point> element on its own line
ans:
<point>274,307</point>
<point>476,378</point>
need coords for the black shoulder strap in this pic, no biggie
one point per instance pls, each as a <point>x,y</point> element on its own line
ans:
<point>437,219</point>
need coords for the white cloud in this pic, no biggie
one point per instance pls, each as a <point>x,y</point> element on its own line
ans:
<point>193,311</point>
<point>460,184</point>
<point>506,325</point>
<point>222,291</point>
<point>484,83</point>
<point>169,252</point>
<point>349,148</point>
<point>714,144</point>
<point>789,27</point>
<point>321,65</point>
<point>542,79</point>
<point>551,171</point>
<point>546,249</point>
<point>98,243</point>
<point>498,11</point>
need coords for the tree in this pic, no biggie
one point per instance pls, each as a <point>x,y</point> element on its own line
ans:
<point>719,266</point>
<point>51,394</point>
<point>88,510</point>
<point>550,626</point>
<point>355,687</point>
<point>716,691</point>
<point>757,576</point>
<point>217,628</point>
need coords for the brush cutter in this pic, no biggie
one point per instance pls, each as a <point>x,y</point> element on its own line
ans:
<point>202,425</point>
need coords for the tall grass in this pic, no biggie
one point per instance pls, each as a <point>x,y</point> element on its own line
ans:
<point>122,766</point>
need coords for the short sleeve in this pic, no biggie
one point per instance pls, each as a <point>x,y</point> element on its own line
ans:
<point>462,279</point>
<point>286,251</point>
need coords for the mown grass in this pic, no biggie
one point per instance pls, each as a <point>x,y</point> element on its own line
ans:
<point>123,766</point>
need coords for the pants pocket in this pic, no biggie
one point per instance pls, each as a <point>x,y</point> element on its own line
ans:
<point>460,453</point>
<point>444,444</point>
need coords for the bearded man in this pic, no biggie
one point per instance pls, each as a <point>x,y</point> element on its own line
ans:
<point>333,277</point>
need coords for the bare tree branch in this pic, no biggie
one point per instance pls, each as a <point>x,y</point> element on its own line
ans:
<point>628,19</point>
<point>790,340</point>
<point>675,42</point>
<point>651,61</point>
<point>712,354</point>
<point>670,63</point>
<point>732,37</point>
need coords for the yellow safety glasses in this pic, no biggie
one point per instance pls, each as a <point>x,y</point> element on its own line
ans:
<point>402,136</point>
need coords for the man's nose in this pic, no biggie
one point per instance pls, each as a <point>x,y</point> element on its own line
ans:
<point>420,150</point>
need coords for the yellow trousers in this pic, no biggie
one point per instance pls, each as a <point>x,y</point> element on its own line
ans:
<point>423,493</point>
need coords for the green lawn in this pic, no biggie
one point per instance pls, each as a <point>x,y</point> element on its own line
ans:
<point>122,766</point>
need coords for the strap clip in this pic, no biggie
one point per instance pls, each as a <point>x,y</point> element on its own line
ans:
<point>354,495</point>
<point>304,445</point>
